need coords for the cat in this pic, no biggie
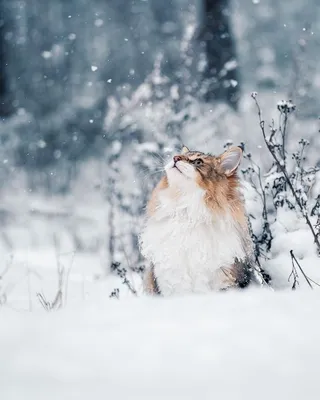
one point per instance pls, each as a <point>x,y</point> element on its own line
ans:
<point>196,235</point>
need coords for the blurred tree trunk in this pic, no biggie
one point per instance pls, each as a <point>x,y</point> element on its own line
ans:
<point>5,108</point>
<point>220,76</point>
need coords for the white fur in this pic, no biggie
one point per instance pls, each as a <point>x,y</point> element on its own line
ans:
<point>186,243</point>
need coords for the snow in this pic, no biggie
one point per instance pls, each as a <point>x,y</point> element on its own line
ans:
<point>241,345</point>
<point>237,345</point>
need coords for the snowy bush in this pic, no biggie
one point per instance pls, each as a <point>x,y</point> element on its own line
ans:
<point>287,223</point>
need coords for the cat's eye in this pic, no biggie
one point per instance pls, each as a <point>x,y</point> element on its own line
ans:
<point>197,162</point>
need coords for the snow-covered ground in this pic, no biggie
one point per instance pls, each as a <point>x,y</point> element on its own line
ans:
<point>245,345</point>
<point>236,345</point>
<point>252,344</point>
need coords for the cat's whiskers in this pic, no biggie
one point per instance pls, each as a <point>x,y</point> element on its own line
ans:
<point>146,173</point>
<point>159,157</point>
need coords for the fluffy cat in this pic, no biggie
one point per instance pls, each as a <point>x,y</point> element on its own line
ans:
<point>196,234</point>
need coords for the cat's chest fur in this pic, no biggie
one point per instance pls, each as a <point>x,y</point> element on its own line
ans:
<point>187,243</point>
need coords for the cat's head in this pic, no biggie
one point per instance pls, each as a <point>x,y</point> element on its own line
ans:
<point>204,170</point>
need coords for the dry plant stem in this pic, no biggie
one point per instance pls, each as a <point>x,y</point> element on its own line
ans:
<point>311,280</point>
<point>45,304</point>
<point>283,134</point>
<point>262,194</point>
<point>63,278</point>
<point>299,160</point>
<point>260,190</point>
<point>58,301</point>
<point>29,291</point>
<point>130,287</point>
<point>109,193</point>
<point>67,278</point>
<point>122,273</point>
<point>7,267</point>
<point>293,259</point>
<point>126,280</point>
<point>3,292</point>
<point>295,276</point>
<point>283,169</point>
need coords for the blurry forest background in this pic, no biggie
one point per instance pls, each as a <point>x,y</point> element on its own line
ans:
<point>95,94</point>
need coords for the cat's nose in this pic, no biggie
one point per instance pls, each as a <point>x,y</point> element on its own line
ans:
<point>177,158</point>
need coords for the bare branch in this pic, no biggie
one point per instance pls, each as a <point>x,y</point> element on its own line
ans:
<point>294,260</point>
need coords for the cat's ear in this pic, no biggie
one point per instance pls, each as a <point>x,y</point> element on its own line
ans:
<point>230,160</point>
<point>184,149</point>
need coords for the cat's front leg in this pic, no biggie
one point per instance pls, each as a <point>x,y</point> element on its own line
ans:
<point>150,285</point>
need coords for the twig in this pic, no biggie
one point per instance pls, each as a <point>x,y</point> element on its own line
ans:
<point>283,132</point>
<point>63,278</point>
<point>29,291</point>
<point>66,285</point>
<point>43,301</point>
<point>122,273</point>
<point>295,275</point>
<point>115,294</point>
<point>293,259</point>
